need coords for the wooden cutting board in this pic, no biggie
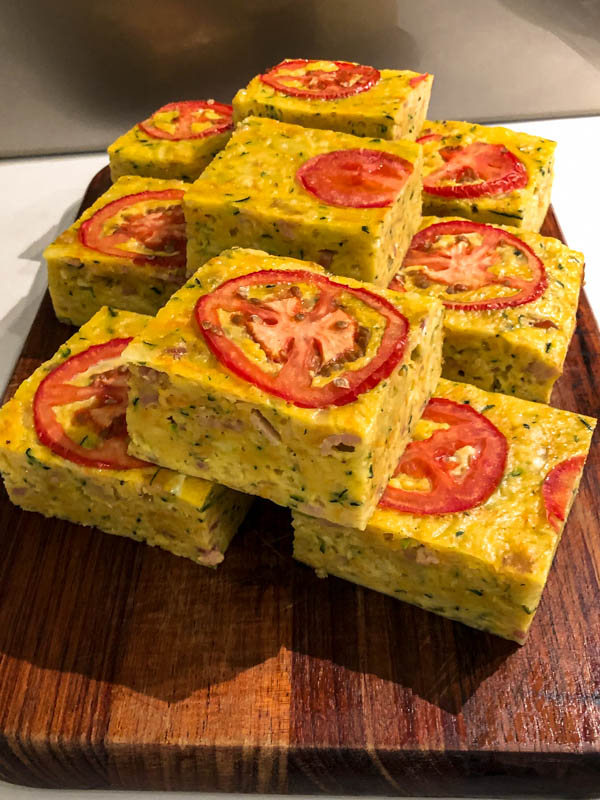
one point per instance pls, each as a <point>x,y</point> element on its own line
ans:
<point>122,666</point>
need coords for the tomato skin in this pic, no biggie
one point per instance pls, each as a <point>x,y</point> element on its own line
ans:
<point>429,137</point>
<point>91,231</point>
<point>430,459</point>
<point>56,390</point>
<point>294,382</point>
<point>183,129</point>
<point>418,79</point>
<point>333,82</point>
<point>558,487</point>
<point>355,178</point>
<point>500,170</point>
<point>420,252</point>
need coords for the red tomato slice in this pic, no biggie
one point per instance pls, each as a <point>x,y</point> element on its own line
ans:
<point>148,227</point>
<point>311,78</point>
<point>558,487</point>
<point>466,264</point>
<point>307,340</point>
<point>356,178</point>
<point>105,415</point>
<point>475,170</point>
<point>451,488</point>
<point>429,137</point>
<point>418,79</point>
<point>189,119</point>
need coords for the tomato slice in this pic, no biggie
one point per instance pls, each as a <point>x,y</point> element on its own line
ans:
<point>308,327</point>
<point>324,80</point>
<point>147,227</point>
<point>189,119</point>
<point>355,178</point>
<point>475,170</point>
<point>428,136</point>
<point>418,79</point>
<point>438,461</point>
<point>103,415</point>
<point>469,256</point>
<point>558,487</point>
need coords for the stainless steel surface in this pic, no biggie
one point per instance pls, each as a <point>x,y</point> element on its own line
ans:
<point>76,73</point>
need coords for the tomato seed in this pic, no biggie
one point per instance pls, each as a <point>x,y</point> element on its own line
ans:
<point>342,383</point>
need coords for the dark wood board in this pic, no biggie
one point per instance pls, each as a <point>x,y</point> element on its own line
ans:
<point>122,666</point>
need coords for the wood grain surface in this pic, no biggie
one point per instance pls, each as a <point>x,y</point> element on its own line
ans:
<point>123,666</point>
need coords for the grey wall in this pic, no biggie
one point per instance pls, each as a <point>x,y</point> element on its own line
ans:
<point>75,73</point>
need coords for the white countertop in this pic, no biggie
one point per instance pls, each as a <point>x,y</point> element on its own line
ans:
<point>39,197</point>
